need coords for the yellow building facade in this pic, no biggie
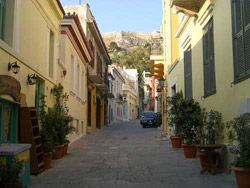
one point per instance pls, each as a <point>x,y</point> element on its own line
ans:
<point>75,56</point>
<point>97,77</point>
<point>29,39</point>
<point>211,64</point>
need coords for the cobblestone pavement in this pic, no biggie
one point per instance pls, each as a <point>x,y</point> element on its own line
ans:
<point>127,156</point>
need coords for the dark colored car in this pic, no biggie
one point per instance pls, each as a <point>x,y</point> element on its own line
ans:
<point>149,119</point>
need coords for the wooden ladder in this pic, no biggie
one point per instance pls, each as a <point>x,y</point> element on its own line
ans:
<point>29,133</point>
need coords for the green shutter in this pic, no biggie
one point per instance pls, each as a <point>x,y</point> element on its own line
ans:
<point>188,74</point>
<point>246,9</point>
<point>211,57</point>
<point>206,64</point>
<point>208,58</point>
<point>2,18</point>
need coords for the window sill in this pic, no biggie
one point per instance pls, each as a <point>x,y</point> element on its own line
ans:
<point>209,94</point>
<point>241,79</point>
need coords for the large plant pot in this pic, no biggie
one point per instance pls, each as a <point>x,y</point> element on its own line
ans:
<point>176,141</point>
<point>242,176</point>
<point>47,158</point>
<point>190,150</point>
<point>204,158</point>
<point>66,146</point>
<point>58,152</point>
<point>13,185</point>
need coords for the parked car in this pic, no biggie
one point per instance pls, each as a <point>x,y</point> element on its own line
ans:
<point>149,119</point>
<point>158,119</point>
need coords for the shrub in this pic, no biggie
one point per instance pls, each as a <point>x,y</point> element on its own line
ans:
<point>174,121</point>
<point>239,132</point>
<point>10,174</point>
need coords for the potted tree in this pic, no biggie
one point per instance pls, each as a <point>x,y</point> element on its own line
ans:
<point>10,175</point>
<point>174,121</point>
<point>46,133</point>
<point>62,127</point>
<point>191,117</point>
<point>210,134</point>
<point>239,132</point>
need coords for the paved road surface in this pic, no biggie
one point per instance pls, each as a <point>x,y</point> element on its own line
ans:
<point>127,156</point>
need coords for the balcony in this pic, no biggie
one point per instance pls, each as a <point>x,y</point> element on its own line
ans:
<point>190,7</point>
<point>119,98</point>
<point>104,84</point>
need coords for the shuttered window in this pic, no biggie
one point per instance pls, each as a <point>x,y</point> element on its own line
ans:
<point>208,60</point>
<point>188,74</point>
<point>241,37</point>
<point>2,18</point>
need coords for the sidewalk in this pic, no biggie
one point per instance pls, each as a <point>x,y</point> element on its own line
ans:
<point>127,156</point>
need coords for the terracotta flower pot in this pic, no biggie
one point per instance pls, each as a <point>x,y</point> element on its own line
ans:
<point>176,141</point>
<point>190,150</point>
<point>13,185</point>
<point>58,152</point>
<point>66,146</point>
<point>242,176</point>
<point>47,158</point>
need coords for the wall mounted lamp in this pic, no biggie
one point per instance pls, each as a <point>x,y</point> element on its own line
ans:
<point>64,72</point>
<point>14,67</point>
<point>32,79</point>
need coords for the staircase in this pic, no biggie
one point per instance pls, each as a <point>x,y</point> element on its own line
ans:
<point>37,142</point>
<point>29,133</point>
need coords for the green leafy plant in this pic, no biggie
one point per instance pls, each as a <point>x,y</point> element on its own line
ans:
<point>190,116</point>
<point>174,120</point>
<point>59,114</point>
<point>239,133</point>
<point>10,174</point>
<point>47,131</point>
<point>212,127</point>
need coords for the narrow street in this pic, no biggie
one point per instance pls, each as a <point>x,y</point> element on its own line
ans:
<point>126,155</point>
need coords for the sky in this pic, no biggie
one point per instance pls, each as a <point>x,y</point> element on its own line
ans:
<point>124,15</point>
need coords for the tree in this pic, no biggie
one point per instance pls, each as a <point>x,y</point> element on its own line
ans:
<point>113,47</point>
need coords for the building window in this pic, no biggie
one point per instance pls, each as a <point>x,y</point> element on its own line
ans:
<point>2,18</point>
<point>241,38</point>
<point>72,86</point>
<point>208,60</point>
<point>188,74</point>
<point>78,81</point>
<point>83,86</point>
<point>7,20</point>
<point>51,54</point>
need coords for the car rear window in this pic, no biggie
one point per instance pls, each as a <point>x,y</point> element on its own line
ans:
<point>148,114</point>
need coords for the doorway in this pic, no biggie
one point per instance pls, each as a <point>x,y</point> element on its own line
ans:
<point>8,121</point>
<point>89,108</point>
<point>98,113</point>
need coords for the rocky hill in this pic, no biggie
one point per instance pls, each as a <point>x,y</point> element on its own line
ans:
<point>127,39</point>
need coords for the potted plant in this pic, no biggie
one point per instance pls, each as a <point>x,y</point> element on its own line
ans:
<point>10,175</point>
<point>239,133</point>
<point>174,121</point>
<point>210,133</point>
<point>191,117</point>
<point>46,133</point>
<point>62,127</point>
